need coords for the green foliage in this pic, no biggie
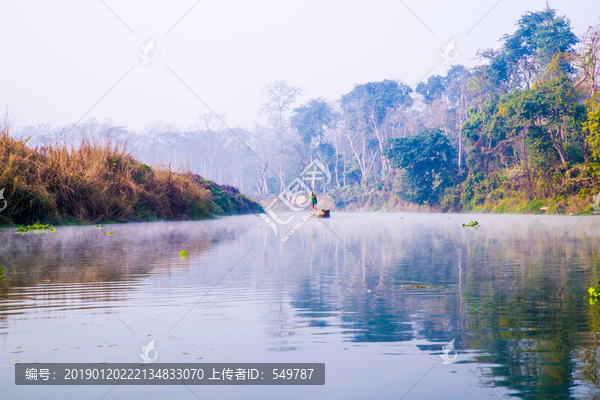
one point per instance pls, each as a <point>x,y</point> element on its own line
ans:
<point>449,85</point>
<point>143,173</point>
<point>183,254</point>
<point>427,159</point>
<point>592,124</point>
<point>36,228</point>
<point>311,119</point>
<point>471,224</point>
<point>371,101</point>
<point>478,187</point>
<point>531,48</point>
<point>594,294</point>
<point>528,134</point>
<point>534,205</point>
<point>451,199</point>
<point>540,125</point>
<point>432,89</point>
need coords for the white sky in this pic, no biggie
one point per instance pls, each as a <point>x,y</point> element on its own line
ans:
<point>59,58</point>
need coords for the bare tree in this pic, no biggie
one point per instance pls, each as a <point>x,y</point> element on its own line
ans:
<point>279,98</point>
<point>587,59</point>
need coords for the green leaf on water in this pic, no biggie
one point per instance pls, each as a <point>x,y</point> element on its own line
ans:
<point>99,226</point>
<point>594,292</point>
<point>183,253</point>
<point>110,233</point>
<point>471,224</point>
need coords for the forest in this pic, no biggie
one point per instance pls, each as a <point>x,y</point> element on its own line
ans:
<point>519,132</point>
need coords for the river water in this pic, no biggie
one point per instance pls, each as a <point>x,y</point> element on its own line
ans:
<point>374,296</point>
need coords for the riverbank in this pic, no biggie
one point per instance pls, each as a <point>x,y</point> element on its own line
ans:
<point>568,189</point>
<point>102,182</point>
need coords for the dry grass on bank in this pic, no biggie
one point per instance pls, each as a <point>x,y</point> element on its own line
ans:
<point>92,183</point>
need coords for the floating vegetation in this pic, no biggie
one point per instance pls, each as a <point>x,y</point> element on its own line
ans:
<point>183,253</point>
<point>99,226</point>
<point>36,228</point>
<point>408,287</point>
<point>594,294</point>
<point>1,273</point>
<point>401,217</point>
<point>472,224</point>
<point>110,233</point>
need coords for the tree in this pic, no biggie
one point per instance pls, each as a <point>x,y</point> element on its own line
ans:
<point>311,120</point>
<point>531,48</point>
<point>210,133</point>
<point>587,60</point>
<point>427,159</point>
<point>446,99</point>
<point>559,114</point>
<point>365,110</point>
<point>432,89</point>
<point>279,97</point>
<point>592,124</point>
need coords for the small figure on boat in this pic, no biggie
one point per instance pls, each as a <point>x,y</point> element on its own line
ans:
<point>313,208</point>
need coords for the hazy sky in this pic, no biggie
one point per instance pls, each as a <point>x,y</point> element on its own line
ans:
<point>61,59</point>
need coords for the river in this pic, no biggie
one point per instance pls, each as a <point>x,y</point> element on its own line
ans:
<point>373,296</point>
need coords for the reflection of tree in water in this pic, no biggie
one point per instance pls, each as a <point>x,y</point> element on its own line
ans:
<point>529,320</point>
<point>372,304</point>
<point>531,317</point>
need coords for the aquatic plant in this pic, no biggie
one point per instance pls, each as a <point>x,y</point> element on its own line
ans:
<point>471,224</point>
<point>99,226</point>
<point>110,233</point>
<point>594,292</point>
<point>36,228</point>
<point>183,253</point>
<point>1,273</point>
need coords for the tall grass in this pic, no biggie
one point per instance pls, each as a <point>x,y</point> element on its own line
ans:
<point>94,182</point>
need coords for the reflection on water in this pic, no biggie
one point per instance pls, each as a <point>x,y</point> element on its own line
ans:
<point>373,296</point>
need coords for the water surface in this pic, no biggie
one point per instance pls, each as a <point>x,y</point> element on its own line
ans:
<point>373,296</point>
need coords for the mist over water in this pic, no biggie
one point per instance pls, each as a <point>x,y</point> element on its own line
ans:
<point>373,296</point>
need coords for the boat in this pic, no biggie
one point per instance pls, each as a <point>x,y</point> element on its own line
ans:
<point>321,213</point>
